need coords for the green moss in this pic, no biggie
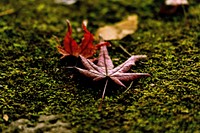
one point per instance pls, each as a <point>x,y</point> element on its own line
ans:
<point>34,81</point>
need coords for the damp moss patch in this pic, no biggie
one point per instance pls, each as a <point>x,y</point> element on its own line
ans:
<point>34,81</point>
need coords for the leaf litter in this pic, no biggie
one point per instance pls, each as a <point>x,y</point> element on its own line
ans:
<point>104,69</point>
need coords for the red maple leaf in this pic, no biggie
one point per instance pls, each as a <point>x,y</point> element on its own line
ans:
<point>71,47</point>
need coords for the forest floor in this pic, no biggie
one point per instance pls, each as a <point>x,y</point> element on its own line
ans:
<point>35,82</point>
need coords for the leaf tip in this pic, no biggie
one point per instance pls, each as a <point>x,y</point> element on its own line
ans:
<point>85,22</point>
<point>69,26</point>
<point>67,21</point>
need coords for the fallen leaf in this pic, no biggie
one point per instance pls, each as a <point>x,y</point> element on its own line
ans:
<point>176,2</point>
<point>172,7</point>
<point>105,69</point>
<point>119,30</point>
<point>71,47</point>
<point>5,117</point>
<point>66,2</point>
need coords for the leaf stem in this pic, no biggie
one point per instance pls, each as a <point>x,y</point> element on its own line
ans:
<point>104,90</point>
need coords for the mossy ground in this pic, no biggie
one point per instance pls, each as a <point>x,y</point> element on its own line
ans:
<point>34,81</point>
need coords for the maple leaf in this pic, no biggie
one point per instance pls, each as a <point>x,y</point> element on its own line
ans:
<point>70,46</point>
<point>105,69</point>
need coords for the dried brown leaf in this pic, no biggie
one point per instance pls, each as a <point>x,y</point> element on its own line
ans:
<point>120,29</point>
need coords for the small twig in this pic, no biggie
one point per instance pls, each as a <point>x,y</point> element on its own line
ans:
<point>125,50</point>
<point>185,13</point>
<point>56,38</point>
<point>128,87</point>
<point>71,67</point>
<point>104,90</point>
